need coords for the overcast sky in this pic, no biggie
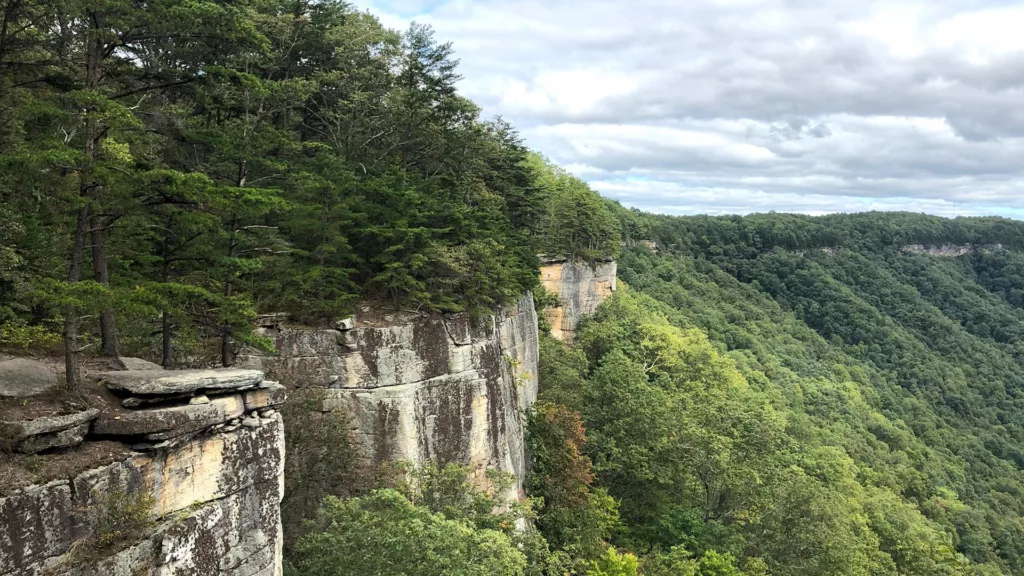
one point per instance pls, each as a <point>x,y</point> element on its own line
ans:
<point>738,106</point>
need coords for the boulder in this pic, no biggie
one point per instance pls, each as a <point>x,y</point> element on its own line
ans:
<point>345,324</point>
<point>33,436</point>
<point>49,424</point>
<point>21,378</point>
<point>272,320</point>
<point>164,423</point>
<point>60,439</point>
<point>271,394</point>
<point>129,363</point>
<point>173,382</point>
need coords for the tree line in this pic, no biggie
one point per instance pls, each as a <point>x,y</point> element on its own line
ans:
<point>172,168</point>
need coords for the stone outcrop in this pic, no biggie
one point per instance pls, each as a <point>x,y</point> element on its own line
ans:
<point>22,377</point>
<point>38,434</point>
<point>950,250</point>
<point>420,387</point>
<point>205,477</point>
<point>580,287</point>
<point>168,382</point>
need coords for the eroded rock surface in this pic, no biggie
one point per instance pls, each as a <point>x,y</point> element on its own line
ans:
<point>22,377</point>
<point>47,432</point>
<point>423,386</point>
<point>164,423</point>
<point>580,287</point>
<point>213,495</point>
<point>950,250</point>
<point>169,382</point>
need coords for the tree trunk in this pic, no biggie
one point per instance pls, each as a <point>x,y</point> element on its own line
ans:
<point>227,355</point>
<point>93,135</point>
<point>101,271</point>
<point>168,350</point>
<point>71,366</point>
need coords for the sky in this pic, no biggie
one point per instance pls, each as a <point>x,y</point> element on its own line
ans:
<point>740,106</point>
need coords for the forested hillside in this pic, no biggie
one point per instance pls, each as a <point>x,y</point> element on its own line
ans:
<point>771,394</point>
<point>169,169</point>
<point>810,395</point>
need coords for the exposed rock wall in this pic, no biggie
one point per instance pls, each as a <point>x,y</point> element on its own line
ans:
<point>950,250</point>
<point>420,387</point>
<point>207,483</point>
<point>580,288</point>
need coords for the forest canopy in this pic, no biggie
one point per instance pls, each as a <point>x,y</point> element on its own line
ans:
<point>171,168</point>
<point>808,395</point>
<point>770,394</point>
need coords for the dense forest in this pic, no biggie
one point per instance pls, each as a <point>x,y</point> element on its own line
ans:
<point>771,394</point>
<point>169,169</point>
<point>803,395</point>
<point>765,395</point>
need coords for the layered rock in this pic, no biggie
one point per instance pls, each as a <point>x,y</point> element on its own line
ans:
<point>205,478</point>
<point>422,387</point>
<point>38,434</point>
<point>581,287</point>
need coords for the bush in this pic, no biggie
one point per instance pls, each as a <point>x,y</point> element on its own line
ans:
<point>386,534</point>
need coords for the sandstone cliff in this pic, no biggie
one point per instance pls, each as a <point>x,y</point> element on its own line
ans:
<point>950,250</point>
<point>178,473</point>
<point>420,387</point>
<point>580,287</point>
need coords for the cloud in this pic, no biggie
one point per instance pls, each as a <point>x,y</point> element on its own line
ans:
<point>750,105</point>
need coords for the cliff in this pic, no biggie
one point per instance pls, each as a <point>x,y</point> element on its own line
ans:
<point>580,287</point>
<point>419,386</point>
<point>170,473</point>
<point>950,250</point>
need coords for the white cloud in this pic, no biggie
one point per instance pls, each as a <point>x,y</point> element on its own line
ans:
<point>752,105</point>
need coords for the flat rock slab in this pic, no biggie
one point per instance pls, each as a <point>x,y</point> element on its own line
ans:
<point>164,423</point>
<point>59,439</point>
<point>21,378</point>
<point>40,434</point>
<point>48,424</point>
<point>130,363</point>
<point>172,382</point>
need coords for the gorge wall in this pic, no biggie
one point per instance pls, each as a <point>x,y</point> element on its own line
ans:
<point>418,386</point>
<point>580,287</point>
<point>950,250</point>
<point>169,473</point>
<point>196,457</point>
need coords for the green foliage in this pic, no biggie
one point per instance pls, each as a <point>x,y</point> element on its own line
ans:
<point>612,563</point>
<point>384,533</point>
<point>213,161</point>
<point>16,333</point>
<point>808,395</point>
<point>679,562</point>
<point>574,518</point>
<point>120,518</point>
<point>322,461</point>
<point>579,225</point>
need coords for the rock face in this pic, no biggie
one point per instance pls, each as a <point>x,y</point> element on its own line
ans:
<point>211,494</point>
<point>580,287</point>
<point>21,378</point>
<point>420,387</point>
<point>950,250</point>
